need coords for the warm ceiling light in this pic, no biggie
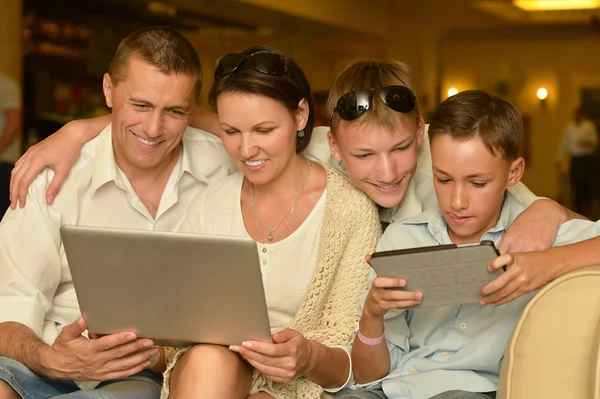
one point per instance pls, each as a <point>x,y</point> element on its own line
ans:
<point>542,93</point>
<point>553,5</point>
<point>452,91</point>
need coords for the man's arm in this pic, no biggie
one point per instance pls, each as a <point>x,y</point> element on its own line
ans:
<point>12,127</point>
<point>206,120</point>
<point>30,272</point>
<point>19,343</point>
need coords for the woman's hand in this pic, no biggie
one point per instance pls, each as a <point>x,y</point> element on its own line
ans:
<point>288,357</point>
<point>58,152</point>
<point>525,272</point>
<point>535,229</point>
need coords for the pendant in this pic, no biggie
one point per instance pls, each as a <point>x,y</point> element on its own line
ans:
<point>270,237</point>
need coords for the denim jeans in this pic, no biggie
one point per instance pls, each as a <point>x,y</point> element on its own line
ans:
<point>145,385</point>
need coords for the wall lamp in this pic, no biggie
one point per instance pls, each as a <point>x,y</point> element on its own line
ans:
<point>452,91</point>
<point>542,95</point>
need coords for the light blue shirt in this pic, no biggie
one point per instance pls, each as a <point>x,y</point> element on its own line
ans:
<point>434,350</point>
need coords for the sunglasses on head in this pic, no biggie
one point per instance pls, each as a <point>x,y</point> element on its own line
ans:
<point>354,104</point>
<point>262,61</point>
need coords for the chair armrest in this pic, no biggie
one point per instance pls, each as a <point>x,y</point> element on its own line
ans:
<point>554,349</point>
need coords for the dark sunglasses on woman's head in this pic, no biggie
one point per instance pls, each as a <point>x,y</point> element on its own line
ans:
<point>354,104</point>
<point>261,61</point>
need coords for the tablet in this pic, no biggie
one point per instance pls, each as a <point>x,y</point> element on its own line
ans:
<point>445,274</point>
<point>174,288</point>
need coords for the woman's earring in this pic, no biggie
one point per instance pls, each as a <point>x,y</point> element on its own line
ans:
<point>300,133</point>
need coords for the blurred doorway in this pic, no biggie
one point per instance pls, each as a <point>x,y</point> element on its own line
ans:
<point>590,103</point>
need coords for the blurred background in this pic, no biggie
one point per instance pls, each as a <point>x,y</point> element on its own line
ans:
<point>544,56</point>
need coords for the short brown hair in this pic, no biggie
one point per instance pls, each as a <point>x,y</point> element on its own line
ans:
<point>162,47</point>
<point>287,89</point>
<point>475,113</point>
<point>369,75</point>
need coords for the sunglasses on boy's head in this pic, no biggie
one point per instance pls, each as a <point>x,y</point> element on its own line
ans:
<point>261,61</point>
<point>354,104</point>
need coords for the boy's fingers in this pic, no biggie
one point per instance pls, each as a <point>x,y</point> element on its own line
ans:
<point>400,295</point>
<point>403,304</point>
<point>497,284</point>
<point>501,294</point>
<point>388,282</point>
<point>499,262</point>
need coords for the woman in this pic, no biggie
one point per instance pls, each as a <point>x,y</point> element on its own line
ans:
<point>311,248</point>
<point>376,136</point>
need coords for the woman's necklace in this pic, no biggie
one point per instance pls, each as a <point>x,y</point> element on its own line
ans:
<point>289,212</point>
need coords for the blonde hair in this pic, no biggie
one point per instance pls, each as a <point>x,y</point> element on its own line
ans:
<point>368,75</point>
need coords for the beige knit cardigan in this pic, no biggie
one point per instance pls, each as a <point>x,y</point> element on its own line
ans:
<point>329,313</point>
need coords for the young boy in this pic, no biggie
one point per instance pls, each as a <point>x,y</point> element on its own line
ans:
<point>451,351</point>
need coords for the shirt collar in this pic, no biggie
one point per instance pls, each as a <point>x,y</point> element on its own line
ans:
<point>410,205</point>
<point>511,208</point>
<point>105,166</point>
<point>107,170</point>
<point>190,162</point>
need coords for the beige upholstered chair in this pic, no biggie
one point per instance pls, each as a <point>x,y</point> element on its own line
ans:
<point>554,351</point>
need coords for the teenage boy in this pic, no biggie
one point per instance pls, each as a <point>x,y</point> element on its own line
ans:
<point>451,351</point>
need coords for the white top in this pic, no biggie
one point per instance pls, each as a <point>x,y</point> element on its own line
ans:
<point>579,140</point>
<point>420,193</point>
<point>35,282</point>
<point>10,98</point>
<point>287,265</point>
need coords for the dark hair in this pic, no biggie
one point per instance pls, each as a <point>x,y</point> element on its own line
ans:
<point>475,113</point>
<point>288,89</point>
<point>162,47</point>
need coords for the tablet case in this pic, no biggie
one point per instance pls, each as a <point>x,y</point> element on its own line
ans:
<point>445,274</point>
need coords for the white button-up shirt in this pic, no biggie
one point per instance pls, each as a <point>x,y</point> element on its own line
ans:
<point>35,282</point>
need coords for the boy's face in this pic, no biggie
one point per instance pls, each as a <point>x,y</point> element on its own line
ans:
<point>470,183</point>
<point>380,161</point>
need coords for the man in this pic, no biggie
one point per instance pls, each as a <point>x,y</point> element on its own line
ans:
<point>580,142</point>
<point>140,173</point>
<point>10,128</point>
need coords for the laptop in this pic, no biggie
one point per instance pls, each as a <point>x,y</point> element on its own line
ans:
<point>175,288</point>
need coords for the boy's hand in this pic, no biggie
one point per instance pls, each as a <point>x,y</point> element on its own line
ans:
<point>382,297</point>
<point>525,272</point>
<point>535,228</point>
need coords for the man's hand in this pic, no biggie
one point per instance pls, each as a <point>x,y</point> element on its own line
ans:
<point>282,361</point>
<point>74,357</point>
<point>525,272</point>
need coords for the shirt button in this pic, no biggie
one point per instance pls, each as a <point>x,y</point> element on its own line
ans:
<point>411,371</point>
<point>443,355</point>
<point>463,325</point>
<point>264,262</point>
<point>264,250</point>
